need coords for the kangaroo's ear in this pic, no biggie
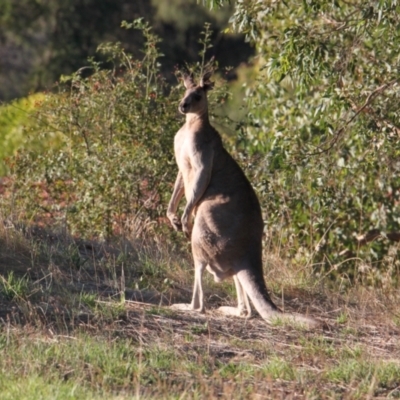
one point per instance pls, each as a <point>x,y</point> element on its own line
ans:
<point>205,82</point>
<point>188,81</point>
<point>207,85</point>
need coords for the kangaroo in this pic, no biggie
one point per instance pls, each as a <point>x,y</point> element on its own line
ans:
<point>222,216</point>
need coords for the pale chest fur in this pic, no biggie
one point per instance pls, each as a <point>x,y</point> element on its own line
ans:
<point>181,149</point>
<point>184,152</point>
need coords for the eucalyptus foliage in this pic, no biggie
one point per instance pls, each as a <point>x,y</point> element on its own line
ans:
<point>324,120</point>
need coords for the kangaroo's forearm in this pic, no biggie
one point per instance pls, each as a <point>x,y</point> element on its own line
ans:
<point>200,185</point>
<point>177,194</point>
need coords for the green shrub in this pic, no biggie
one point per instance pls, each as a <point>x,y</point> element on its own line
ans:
<point>115,161</point>
<point>15,119</point>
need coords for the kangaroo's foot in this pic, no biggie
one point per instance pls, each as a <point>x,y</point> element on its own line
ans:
<point>185,307</point>
<point>234,312</point>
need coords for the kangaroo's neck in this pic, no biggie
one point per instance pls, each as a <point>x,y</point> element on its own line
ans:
<point>194,121</point>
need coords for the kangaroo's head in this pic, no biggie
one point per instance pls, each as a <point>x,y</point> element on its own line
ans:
<point>195,99</point>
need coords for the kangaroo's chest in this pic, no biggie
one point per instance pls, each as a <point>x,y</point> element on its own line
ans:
<point>188,147</point>
<point>182,147</point>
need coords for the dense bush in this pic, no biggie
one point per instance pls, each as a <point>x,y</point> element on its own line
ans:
<point>115,162</point>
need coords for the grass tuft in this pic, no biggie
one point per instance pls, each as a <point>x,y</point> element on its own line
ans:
<point>13,287</point>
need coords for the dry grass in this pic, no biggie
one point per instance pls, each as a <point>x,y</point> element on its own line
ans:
<point>92,322</point>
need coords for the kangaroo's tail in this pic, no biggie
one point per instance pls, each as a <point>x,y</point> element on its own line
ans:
<point>256,289</point>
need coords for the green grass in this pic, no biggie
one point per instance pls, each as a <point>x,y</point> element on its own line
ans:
<point>120,362</point>
<point>278,368</point>
<point>35,387</point>
<point>89,300</point>
<point>84,362</point>
<point>367,377</point>
<point>342,318</point>
<point>13,287</point>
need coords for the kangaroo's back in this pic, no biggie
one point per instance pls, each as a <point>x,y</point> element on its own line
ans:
<point>229,208</point>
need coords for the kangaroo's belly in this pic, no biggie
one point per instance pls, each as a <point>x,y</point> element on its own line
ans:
<point>223,231</point>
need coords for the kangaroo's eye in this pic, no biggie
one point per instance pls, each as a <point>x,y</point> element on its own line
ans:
<point>197,97</point>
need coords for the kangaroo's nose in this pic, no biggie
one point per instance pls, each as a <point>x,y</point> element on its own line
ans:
<point>183,107</point>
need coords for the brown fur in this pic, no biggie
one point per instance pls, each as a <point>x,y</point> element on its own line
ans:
<point>226,234</point>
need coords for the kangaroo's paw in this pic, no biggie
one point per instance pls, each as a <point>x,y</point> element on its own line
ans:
<point>234,312</point>
<point>184,307</point>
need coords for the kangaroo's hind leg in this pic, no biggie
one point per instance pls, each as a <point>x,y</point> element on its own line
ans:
<point>243,309</point>
<point>197,303</point>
